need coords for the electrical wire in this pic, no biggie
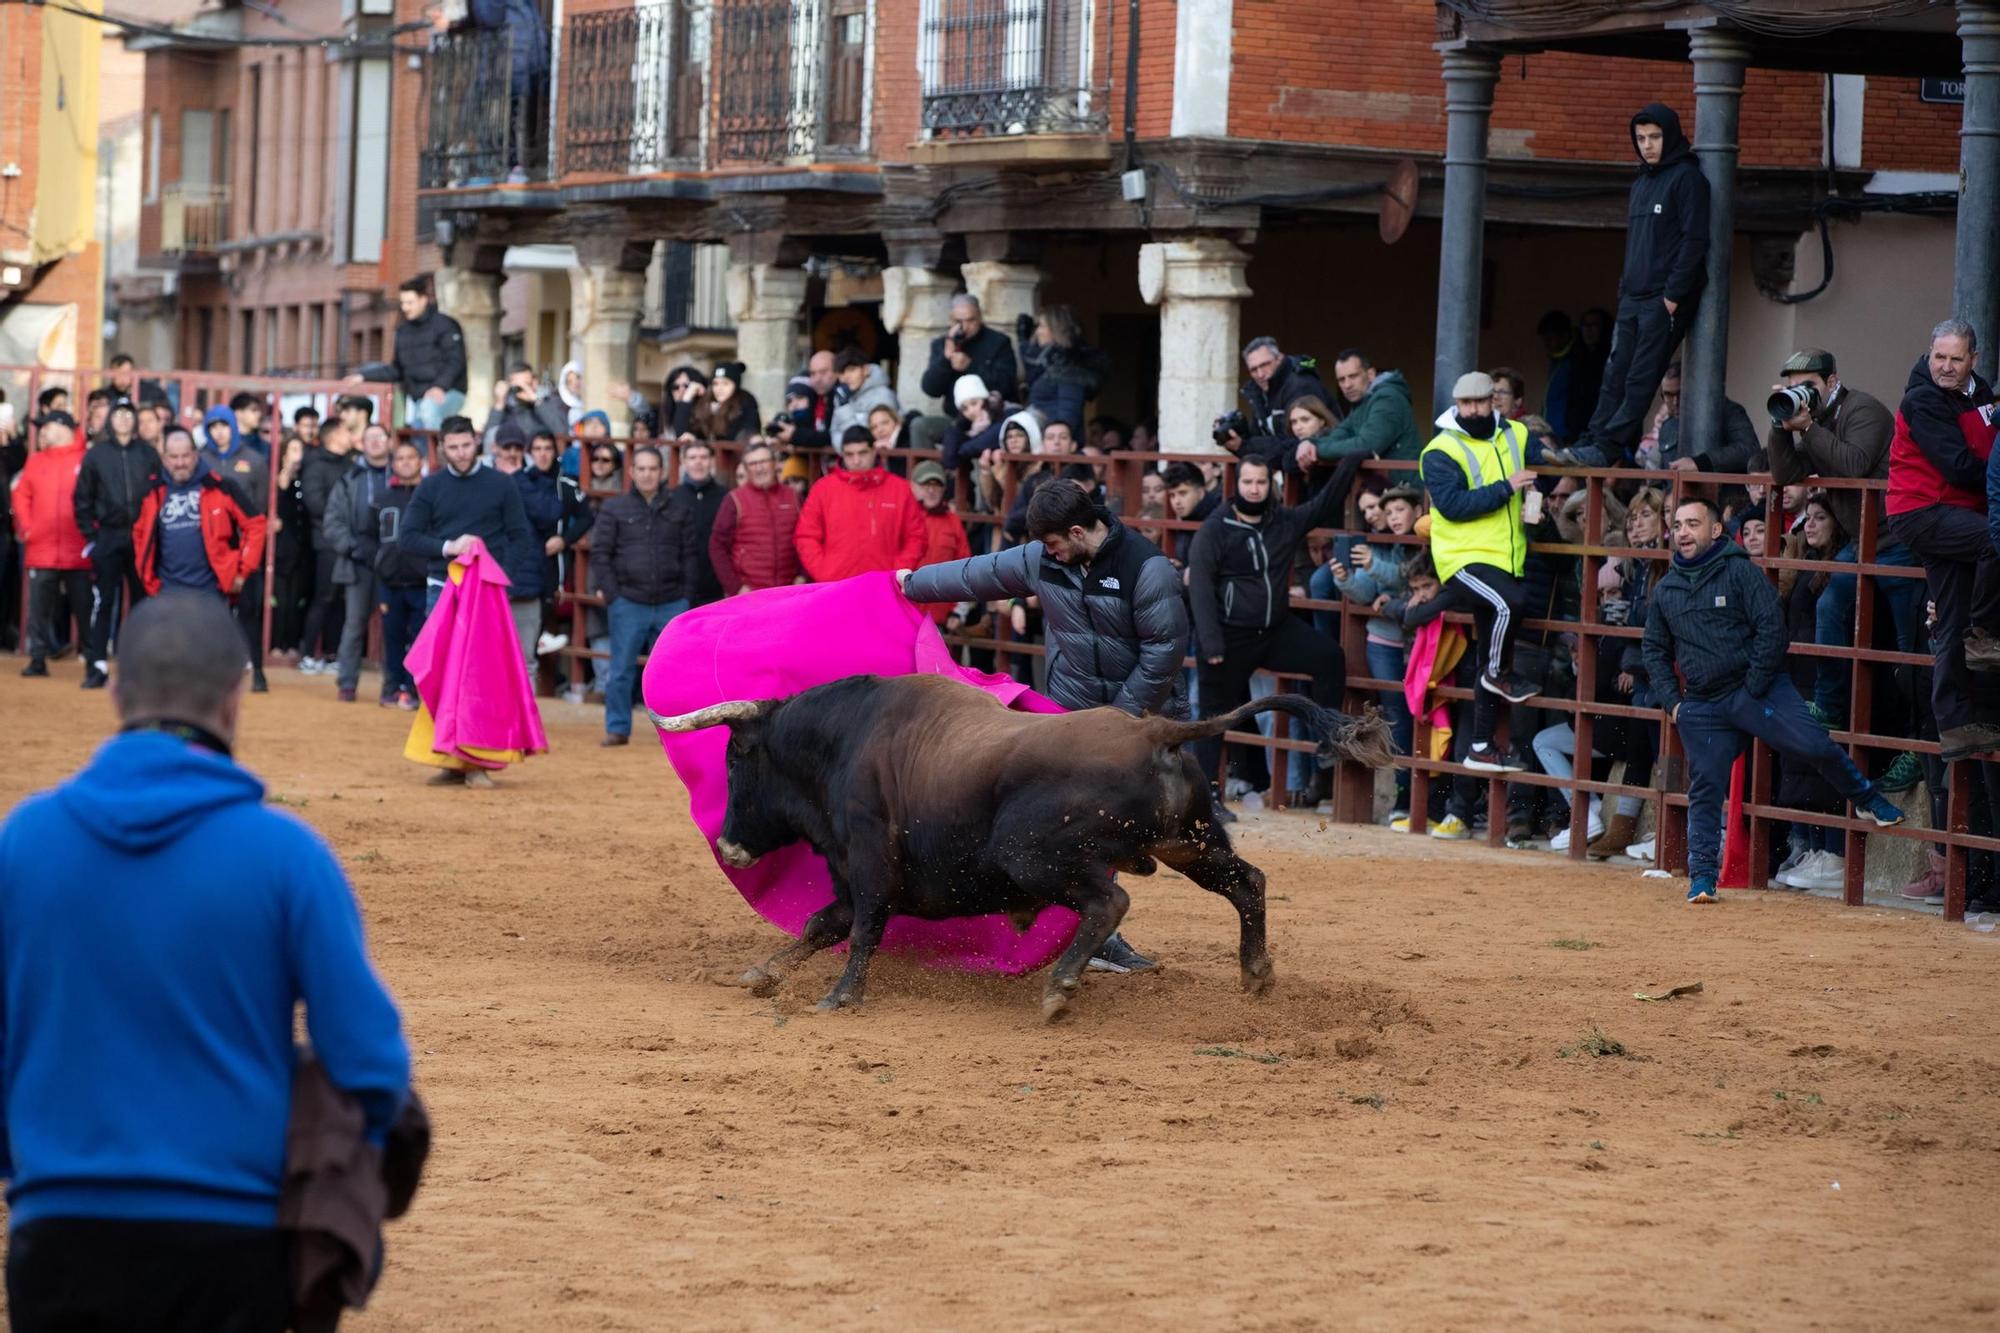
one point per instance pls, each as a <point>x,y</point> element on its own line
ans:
<point>138,28</point>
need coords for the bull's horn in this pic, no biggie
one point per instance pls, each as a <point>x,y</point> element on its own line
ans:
<point>712,716</point>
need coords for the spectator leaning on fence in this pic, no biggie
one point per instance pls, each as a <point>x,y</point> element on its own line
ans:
<point>643,553</point>
<point>1380,422</point>
<point>1715,658</point>
<point>864,386</point>
<point>753,544</point>
<point>44,505</point>
<point>429,363</point>
<point>1476,470</point>
<point>149,1042</point>
<point>1938,503</point>
<point>859,518</point>
<point>944,532</point>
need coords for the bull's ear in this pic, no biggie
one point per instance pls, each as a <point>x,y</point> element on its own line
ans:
<point>713,716</point>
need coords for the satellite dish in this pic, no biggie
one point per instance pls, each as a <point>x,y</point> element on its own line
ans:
<point>1399,201</point>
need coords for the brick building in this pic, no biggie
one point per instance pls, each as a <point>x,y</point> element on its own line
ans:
<point>1182,175</point>
<point>51,302</point>
<point>278,208</point>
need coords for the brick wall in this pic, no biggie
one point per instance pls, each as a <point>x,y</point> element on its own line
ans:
<point>1899,132</point>
<point>20,119</point>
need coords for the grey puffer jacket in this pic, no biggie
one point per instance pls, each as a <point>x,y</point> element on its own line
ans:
<point>1117,627</point>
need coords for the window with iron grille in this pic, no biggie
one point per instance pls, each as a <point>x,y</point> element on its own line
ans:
<point>792,78</point>
<point>1009,67</point>
<point>626,110</point>
<point>479,128</point>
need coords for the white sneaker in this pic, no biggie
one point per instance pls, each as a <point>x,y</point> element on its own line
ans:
<point>1235,789</point>
<point>311,666</point>
<point>1783,874</point>
<point>572,694</point>
<point>551,643</point>
<point>1560,843</point>
<point>1821,870</point>
<point>1805,863</point>
<point>1641,851</point>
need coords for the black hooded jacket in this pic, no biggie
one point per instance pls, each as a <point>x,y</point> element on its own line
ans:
<point>1666,237</point>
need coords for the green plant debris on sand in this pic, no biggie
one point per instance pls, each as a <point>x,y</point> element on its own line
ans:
<point>1579,945</point>
<point>1238,1053</point>
<point>1592,1041</point>
<point>1371,1099</point>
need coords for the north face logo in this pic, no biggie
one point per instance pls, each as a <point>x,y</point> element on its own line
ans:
<point>1108,582</point>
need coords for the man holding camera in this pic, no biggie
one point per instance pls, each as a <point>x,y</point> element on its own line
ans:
<point>1938,498</point>
<point>528,406</point>
<point>1276,382</point>
<point>969,347</point>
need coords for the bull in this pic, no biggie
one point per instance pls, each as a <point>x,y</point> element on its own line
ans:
<point>930,798</point>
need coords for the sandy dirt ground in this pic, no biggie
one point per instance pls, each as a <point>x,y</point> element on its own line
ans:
<point>1405,1134</point>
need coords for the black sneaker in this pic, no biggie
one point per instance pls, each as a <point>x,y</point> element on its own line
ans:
<point>1486,759</point>
<point>258,685</point>
<point>1118,956</point>
<point>93,679</point>
<point>36,667</point>
<point>1511,686</point>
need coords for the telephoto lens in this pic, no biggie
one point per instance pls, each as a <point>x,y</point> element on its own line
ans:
<point>1789,402</point>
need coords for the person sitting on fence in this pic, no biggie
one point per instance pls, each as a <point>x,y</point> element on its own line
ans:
<point>429,361</point>
<point>1715,655</point>
<point>1373,576</point>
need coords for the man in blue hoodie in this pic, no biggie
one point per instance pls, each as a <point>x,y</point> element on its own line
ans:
<point>146,1071</point>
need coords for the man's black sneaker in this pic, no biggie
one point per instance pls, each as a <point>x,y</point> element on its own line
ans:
<point>1118,956</point>
<point>1956,743</point>
<point>258,685</point>
<point>93,679</point>
<point>36,667</point>
<point>1486,759</point>
<point>1511,686</point>
<point>1982,651</point>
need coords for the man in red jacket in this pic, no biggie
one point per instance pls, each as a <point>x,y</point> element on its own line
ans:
<point>192,531</point>
<point>753,544</point>
<point>944,532</point>
<point>45,519</point>
<point>860,518</point>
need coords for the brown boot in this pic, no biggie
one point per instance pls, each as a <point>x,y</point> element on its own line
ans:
<point>1619,832</point>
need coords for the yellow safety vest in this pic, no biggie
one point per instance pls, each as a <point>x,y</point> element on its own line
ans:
<point>1496,538</point>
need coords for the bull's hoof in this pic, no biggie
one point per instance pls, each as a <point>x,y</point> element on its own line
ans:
<point>760,983</point>
<point>836,1002</point>
<point>1259,977</point>
<point>1055,1004</point>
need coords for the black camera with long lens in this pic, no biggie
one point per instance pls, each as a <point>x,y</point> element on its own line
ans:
<point>1228,424</point>
<point>1788,402</point>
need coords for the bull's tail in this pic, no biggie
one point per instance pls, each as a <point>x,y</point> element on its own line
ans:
<point>1364,739</point>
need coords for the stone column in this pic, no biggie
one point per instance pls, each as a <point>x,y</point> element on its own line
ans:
<point>767,301</point>
<point>605,301</point>
<point>1006,291</point>
<point>1469,77</point>
<point>472,297</point>
<point>916,307</point>
<point>1720,55</point>
<point>1199,286</point>
<point>1975,288</point>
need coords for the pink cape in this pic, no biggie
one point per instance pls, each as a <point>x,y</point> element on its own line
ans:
<point>468,668</point>
<point>775,643</point>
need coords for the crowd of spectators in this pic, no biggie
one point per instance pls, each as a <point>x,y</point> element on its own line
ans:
<point>704,496</point>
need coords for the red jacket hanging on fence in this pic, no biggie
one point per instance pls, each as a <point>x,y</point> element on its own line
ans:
<point>232,540</point>
<point>45,508</point>
<point>754,542</point>
<point>859,522</point>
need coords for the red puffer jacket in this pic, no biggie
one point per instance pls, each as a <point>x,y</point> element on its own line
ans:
<point>233,540</point>
<point>45,508</point>
<point>752,543</point>
<point>944,539</point>
<point>856,522</point>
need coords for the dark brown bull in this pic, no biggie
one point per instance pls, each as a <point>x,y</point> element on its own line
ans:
<point>929,798</point>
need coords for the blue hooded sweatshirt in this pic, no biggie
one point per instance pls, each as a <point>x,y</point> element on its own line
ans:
<point>157,927</point>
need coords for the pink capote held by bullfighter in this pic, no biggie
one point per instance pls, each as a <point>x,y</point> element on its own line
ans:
<point>467,664</point>
<point>774,643</point>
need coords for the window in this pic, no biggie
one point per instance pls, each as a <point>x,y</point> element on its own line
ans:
<point>847,57</point>
<point>368,192</point>
<point>197,148</point>
<point>152,157</point>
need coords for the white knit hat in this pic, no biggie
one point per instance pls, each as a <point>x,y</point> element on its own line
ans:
<point>968,389</point>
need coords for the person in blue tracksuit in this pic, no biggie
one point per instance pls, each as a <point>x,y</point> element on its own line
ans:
<point>158,926</point>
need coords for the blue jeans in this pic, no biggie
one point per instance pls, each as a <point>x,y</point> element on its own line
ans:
<point>1385,662</point>
<point>423,414</point>
<point>1833,619</point>
<point>634,627</point>
<point>1716,731</point>
<point>403,614</point>
<point>1321,588</point>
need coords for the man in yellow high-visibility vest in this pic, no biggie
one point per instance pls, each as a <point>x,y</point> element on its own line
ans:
<point>1476,470</point>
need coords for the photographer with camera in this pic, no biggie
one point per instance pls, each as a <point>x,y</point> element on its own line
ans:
<point>526,405</point>
<point>1822,428</point>
<point>969,347</point>
<point>1276,382</point>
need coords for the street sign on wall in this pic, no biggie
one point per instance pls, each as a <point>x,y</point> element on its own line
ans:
<point>1951,91</point>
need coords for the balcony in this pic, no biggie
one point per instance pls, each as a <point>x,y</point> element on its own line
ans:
<point>194,219</point>
<point>480,130</point>
<point>1020,70</point>
<point>793,80</point>
<point>635,83</point>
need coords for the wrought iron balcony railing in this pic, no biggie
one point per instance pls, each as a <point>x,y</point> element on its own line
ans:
<point>792,78</point>
<point>480,128</point>
<point>194,219</point>
<point>635,80</point>
<point>997,67</point>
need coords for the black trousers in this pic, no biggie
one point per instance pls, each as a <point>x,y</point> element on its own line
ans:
<point>1494,597</point>
<point>47,631</point>
<point>326,612</point>
<point>79,1275</point>
<point>112,562</point>
<point>251,606</point>
<point>1955,548</point>
<point>1290,645</point>
<point>1642,343</point>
